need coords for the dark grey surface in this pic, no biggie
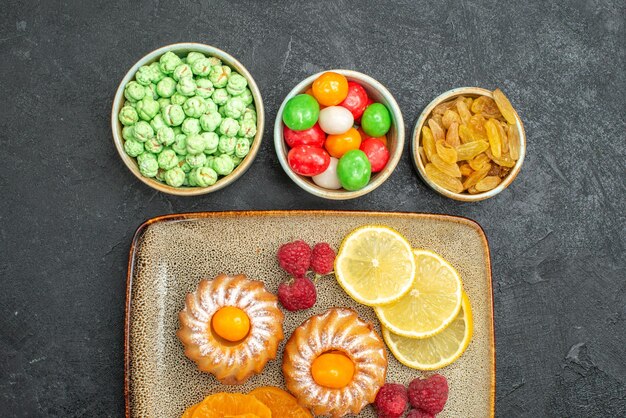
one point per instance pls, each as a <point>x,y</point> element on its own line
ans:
<point>69,207</point>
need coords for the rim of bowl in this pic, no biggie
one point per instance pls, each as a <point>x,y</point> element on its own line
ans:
<point>419,164</point>
<point>131,163</point>
<point>381,177</point>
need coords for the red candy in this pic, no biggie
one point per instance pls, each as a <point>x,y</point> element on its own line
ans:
<point>377,153</point>
<point>308,160</point>
<point>357,99</point>
<point>312,136</point>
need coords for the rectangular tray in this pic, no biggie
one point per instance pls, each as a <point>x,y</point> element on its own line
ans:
<point>169,255</point>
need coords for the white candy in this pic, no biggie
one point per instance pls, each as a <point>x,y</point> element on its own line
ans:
<point>329,179</point>
<point>335,120</point>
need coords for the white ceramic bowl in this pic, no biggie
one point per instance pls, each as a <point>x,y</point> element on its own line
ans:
<point>182,49</point>
<point>395,137</point>
<point>419,164</point>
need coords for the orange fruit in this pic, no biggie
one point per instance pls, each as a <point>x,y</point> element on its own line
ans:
<point>189,411</point>
<point>281,403</point>
<point>231,323</point>
<point>223,404</point>
<point>332,370</point>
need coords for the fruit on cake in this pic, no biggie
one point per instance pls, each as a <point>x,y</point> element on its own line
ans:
<point>334,363</point>
<point>231,327</point>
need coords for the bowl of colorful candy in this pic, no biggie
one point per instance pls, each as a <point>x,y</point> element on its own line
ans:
<point>469,144</point>
<point>187,119</point>
<point>339,134</point>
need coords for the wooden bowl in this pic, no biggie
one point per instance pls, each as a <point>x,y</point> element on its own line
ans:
<point>419,164</point>
<point>183,49</point>
<point>395,137</point>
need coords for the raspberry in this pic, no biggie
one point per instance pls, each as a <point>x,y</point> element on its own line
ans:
<point>429,395</point>
<point>295,257</point>
<point>298,295</point>
<point>391,400</point>
<point>418,413</point>
<point>322,258</point>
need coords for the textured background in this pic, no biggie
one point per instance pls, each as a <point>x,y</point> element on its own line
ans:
<point>68,206</point>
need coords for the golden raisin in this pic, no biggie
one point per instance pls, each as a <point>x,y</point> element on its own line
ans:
<point>441,108</point>
<point>504,105</point>
<point>477,127</point>
<point>436,129</point>
<point>488,183</point>
<point>502,161</point>
<point>428,142</point>
<point>479,161</point>
<point>514,143</point>
<point>476,176</point>
<point>464,112</point>
<point>442,179</point>
<point>471,149</point>
<point>505,139</point>
<point>449,117</point>
<point>450,169</point>
<point>493,134</point>
<point>446,152</point>
<point>422,154</point>
<point>465,134</point>
<point>486,106</point>
<point>452,135</point>
<point>466,170</point>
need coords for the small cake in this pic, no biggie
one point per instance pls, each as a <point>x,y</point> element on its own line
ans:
<point>334,363</point>
<point>231,327</point>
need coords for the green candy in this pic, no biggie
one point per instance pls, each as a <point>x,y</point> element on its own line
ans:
<point>249,114</point>
<point>376,120</point>
<point>177,130</point>
<point>186,87</point>
<point>151,92</point>
<point>191,126</point>
<point>229,127</point>
<point>134,91</point>
<point>157,122</point>
<point>223,165</point>
<point>220,96</point>
<point>166,136</point>
<point>147,108</point>
<point>133,148</point>
<point>234,107</point>
<point>190,179</point>
<point>180,145</point>
<point>301,112</point>
<point>196,160</point>
<point>204,176</point>
<point>128,116</point>
<point>166,87</point>
<point>247,129</point>
<point>195,144</point>
<point>178,99</point>
<point>195,107</point>
<point>175,177</point>
<point>247,97</point>
<point>236,160</point>
<point>153,146</point>
<point>168,62</point>
<point>160,175</point>
<point>143,131</point>
<point>182,71</point>
<point>173,115</point>
<point>215,61</point>
<point>354,170</point>
<point>183,164</point>
<point>227,145</point>
<point>157,74</point>
<point>211,142</point>
<point>210,106</point>
<point>209,161</point>
<point>236,84</point>
<point>201,67</point>
<point>194,56</point>
<point>167,159</point>
<point>128,132</point>
<point>148,165</point>
<point>144,75</point>
<point>204,88</point>
<point>242,147</point>
<point>219,75</point>
<point>163,102</point>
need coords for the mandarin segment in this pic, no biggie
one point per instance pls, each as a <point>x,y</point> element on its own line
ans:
<point>281,403</point>
<point>224,404</point>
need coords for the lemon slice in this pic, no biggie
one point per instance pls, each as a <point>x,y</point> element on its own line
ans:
<point>432,303</point>
<point>375,265</point>
<point>437,351</point>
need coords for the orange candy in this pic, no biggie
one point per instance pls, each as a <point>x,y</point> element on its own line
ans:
<point>332,370</point>
<point>281,403</point>
<point>365,136</point>
<point>330,88</point>
<point>337,145</point>
<point>231,323</point>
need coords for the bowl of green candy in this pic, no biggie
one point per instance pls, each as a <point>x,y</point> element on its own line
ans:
<point>187,119</point>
